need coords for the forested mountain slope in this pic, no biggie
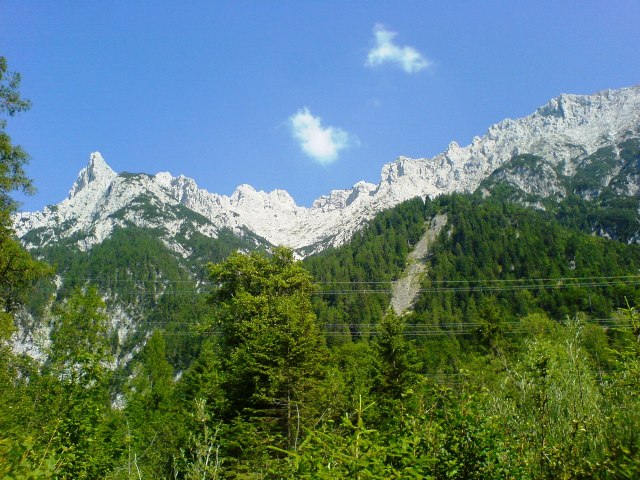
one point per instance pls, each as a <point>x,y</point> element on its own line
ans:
<point>520,259</point>
<point>139,237</point>
<point>144,283</point>
<point>491,251</point>
<point>514,363</point>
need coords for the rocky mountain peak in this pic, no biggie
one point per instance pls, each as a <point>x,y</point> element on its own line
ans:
<point>97,171</point>
<point>563,133</point>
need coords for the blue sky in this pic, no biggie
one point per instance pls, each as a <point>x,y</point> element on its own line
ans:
<point>307,96</point>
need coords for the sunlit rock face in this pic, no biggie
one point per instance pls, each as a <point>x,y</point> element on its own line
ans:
<point>563,133</point>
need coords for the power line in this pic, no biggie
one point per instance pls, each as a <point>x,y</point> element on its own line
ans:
<point>368,282</point>
<point>416,330</point>
<point>497,280</point>
<point>598,321</point>
<point>559,285</point>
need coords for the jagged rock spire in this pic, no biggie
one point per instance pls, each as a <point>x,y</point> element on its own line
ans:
<point>563,133</point>
<point>97,170</point>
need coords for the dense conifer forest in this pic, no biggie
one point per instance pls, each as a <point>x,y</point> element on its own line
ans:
<point>520,358</point>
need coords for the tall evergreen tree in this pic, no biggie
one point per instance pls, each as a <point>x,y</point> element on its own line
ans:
<point>399,360</point>
<point>271,346</point>
<point>79,360</point>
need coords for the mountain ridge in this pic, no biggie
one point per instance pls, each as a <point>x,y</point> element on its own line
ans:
<point>563,132</point>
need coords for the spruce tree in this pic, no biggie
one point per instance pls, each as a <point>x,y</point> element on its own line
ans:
<point>271,347</point>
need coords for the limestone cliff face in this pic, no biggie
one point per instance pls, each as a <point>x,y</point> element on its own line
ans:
<point>562,133</point>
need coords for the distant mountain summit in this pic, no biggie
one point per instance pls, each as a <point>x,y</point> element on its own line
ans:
<point>97,172</point>
<point>561,139</point>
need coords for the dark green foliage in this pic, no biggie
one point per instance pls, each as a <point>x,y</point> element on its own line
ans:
<point>536,406</point>
<point>591,175</point>
<point>78,399</point>
<point>154,427</point>
<point>177,314</point>
<point>18,270</point>
<point>133,268</point>
<point>204,380</point>
<point>491,246</point>
<point>351,275</point>
<point>12,157</point>
<point>18,273</point>
<point>205,249</point>
<point>615,217</point>
<point>272,351</point>
<point>132,264</point>
<point>355,373</point>
<point>136,270</point>
<point>517,259</point>
<point>497,389</point>
<point>399,363</point>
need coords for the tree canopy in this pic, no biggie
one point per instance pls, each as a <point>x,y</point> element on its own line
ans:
<point>12,157</point>
<point>272,348</point>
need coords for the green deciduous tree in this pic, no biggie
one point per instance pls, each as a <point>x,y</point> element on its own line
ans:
<point>80,347</point>
<point>12,157</point>
<point>17,269</point>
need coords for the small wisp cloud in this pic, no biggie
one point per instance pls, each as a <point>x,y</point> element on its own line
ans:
<point>385,51</point>
<point>320,143</point>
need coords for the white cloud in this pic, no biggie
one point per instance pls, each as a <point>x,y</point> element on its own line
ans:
<point>408,58</point>
<point>320,143</point>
